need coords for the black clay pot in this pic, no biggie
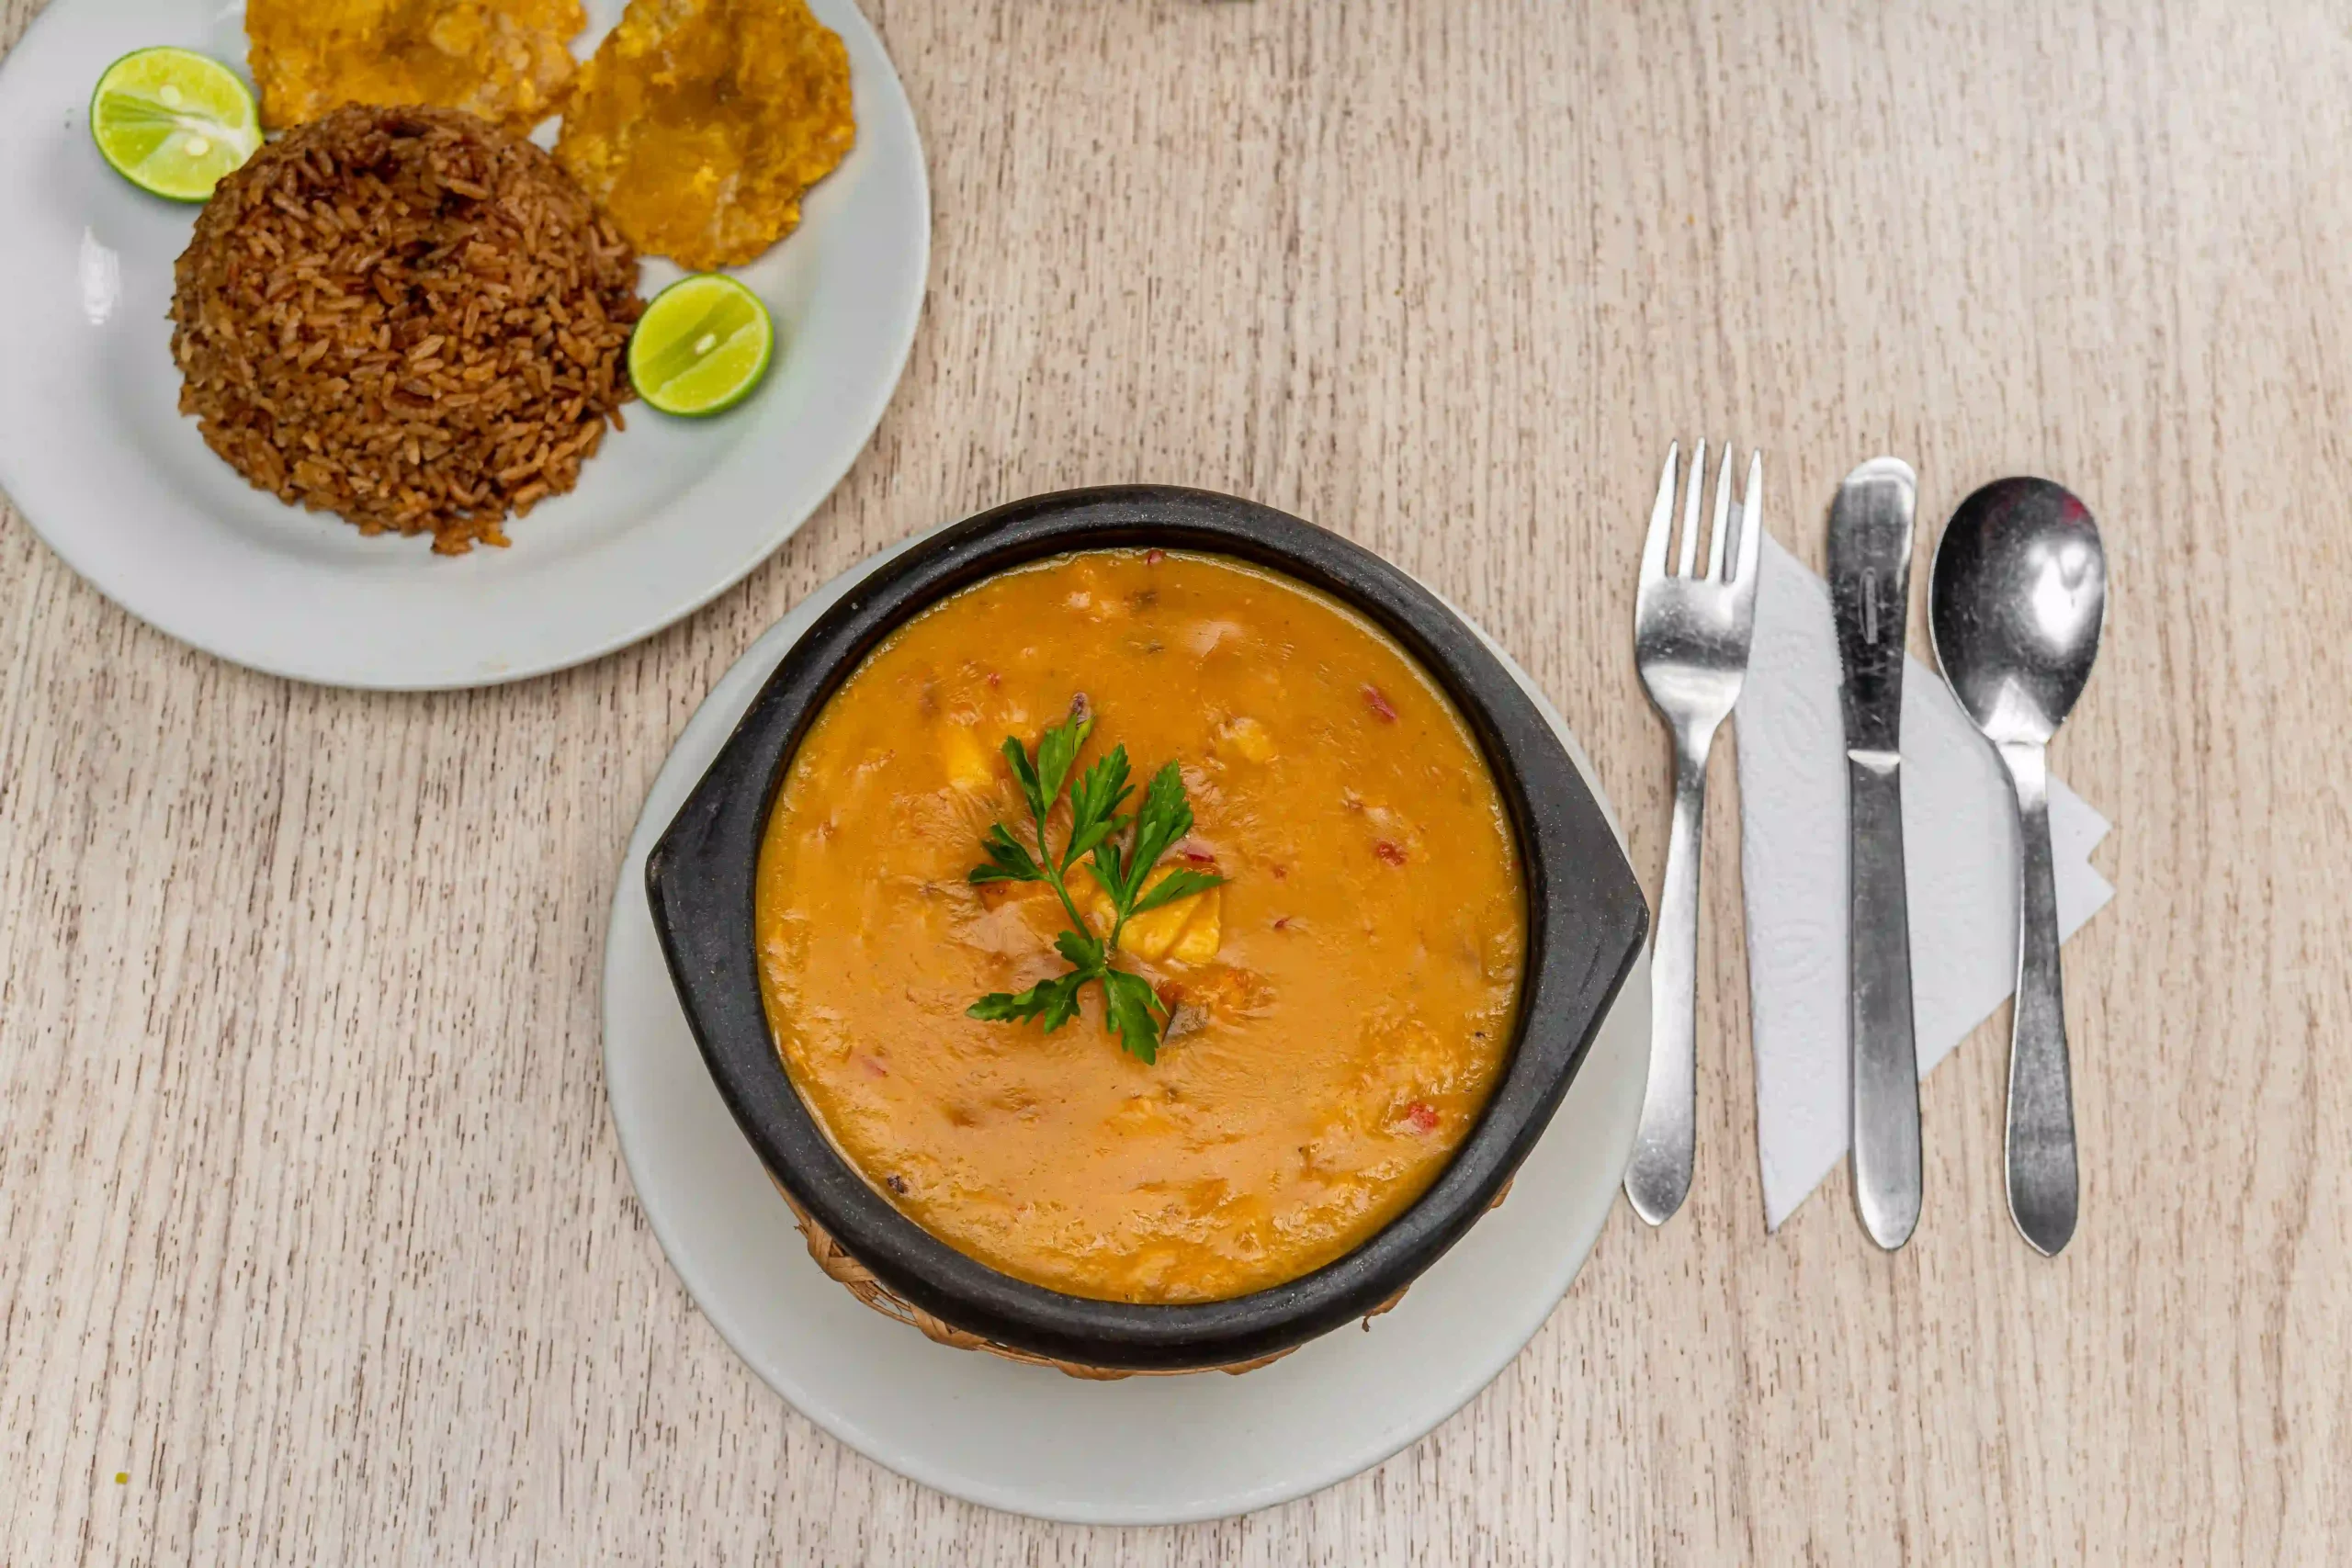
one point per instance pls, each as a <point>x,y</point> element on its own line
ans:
<point>1586,923</point>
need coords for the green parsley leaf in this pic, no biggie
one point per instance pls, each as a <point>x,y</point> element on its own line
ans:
<point>1026,777</point>
<point>1174,885</point>
<point>1106,868</point>
<point>1062,1001</point>
<point>1163,819</point>
<point>1130,1009</point>
<point>1083,952</point>
<point>1094,803</point>
<point>1128,1002</point>
<point>1057,751</point>
<point>1055,1001</point>
<point>1008,862</point>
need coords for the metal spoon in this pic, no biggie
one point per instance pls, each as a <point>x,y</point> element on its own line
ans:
<point>2015,603</point>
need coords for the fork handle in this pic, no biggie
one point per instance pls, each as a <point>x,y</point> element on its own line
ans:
<point>1659,1176</point>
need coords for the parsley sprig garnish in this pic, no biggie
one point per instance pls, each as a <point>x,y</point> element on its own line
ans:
<point>1096,832</point>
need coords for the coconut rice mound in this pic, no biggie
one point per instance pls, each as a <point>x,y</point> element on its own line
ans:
<point>406,316</point>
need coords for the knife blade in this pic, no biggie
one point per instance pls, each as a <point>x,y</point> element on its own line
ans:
<point>1869,598</point>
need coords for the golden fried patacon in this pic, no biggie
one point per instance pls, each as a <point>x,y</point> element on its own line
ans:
<point>699,124</point>
<point>503,60</point>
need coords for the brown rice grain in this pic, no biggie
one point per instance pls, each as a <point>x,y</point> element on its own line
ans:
<point>408,317</point>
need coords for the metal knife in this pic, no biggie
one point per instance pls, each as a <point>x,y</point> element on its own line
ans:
<point>1869,598</point>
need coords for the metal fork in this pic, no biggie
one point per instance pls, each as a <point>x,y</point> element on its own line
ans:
<point>1691,638</point>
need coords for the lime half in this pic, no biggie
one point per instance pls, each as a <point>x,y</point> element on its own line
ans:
<point>701,347</point>
<point>173,121</point>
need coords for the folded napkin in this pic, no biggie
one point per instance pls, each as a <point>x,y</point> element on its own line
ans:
<point>1960,856</point>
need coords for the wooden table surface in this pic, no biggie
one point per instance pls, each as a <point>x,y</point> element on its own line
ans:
<point>311,1218</point>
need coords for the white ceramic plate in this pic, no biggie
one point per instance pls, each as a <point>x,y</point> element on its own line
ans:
<point>1145,1450</point>
<point>670,513</point>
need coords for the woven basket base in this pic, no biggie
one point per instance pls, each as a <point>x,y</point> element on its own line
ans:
<point>859,1281</point>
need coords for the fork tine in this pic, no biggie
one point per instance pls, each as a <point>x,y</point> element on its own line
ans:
<point>1661,519</point>
<point>1751,523</point>
<point>1690,510</point>
<point>1723,519</point>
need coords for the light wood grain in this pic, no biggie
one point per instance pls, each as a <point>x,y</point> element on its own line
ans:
<point>311,1218</point>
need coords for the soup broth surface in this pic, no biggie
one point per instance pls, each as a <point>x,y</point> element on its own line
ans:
<point>1340,1007</point>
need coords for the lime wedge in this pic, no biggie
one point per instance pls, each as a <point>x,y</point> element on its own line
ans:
<point>173,121</point>
<point>701,347</point>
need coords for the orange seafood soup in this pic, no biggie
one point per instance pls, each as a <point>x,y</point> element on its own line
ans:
<point>1337,1011</point>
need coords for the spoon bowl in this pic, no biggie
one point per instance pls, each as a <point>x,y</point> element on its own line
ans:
<point>2016,603</point>
<point>2016,600</point>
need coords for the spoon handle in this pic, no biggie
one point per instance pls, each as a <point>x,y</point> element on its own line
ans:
<point>2042,1175</point>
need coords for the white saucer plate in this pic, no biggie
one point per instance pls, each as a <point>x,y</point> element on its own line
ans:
<point>1145,1450</point>
<point>670,513</point>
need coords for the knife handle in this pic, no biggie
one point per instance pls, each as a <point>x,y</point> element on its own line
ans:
<point>1885,1060</point>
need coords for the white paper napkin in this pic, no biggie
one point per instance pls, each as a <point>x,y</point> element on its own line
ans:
<point>1960,856</point>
